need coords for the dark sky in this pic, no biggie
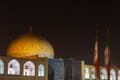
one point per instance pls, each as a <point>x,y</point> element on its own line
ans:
<point>69,26</point>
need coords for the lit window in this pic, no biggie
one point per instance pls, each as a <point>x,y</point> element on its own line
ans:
<point>119,75</point>
<point>1,67</point>
<point>14,67</point>
<point>112,75</point>
<point>103,74</point>
<point>41,70</point>
<point>86,73</point>
<point>29,69</point>
<point>93,74</point>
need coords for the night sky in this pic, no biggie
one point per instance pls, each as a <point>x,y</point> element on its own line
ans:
<point>70,27</point>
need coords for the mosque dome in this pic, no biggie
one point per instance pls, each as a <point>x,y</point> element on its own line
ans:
<point>30,45</point>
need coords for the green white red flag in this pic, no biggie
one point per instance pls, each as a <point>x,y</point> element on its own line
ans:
<point>96,60</point>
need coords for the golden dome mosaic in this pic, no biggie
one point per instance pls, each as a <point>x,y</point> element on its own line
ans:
<point>30,45</point>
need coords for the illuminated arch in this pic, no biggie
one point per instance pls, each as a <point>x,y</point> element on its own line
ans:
<point>14,67</point>
<point>41,70</point>
<point>29,69</point>
<point>119,75</point>
<point>1,67</point>
<point>93,77</point>
<point>87,73</point>
<point>103,74</point>
<point>112,74</point>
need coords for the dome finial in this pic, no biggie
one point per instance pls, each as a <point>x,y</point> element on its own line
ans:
<point>30,28</point>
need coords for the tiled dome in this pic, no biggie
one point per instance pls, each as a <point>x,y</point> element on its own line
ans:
<point>30,45</point>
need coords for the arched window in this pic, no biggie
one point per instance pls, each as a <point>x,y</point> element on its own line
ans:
<point>14,67</point>
<point>103,74</point>
<point>41,70</point>
<point>93,77</point>
<point>29,69</point>
<point>112,75</point>
<point>1,67</point>
<point>119,75</point>
<point>87,73</point>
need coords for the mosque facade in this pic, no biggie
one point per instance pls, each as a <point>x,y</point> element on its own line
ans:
<point>31,57</point>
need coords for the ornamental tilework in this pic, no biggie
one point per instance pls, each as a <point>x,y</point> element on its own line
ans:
<point>58,68</point>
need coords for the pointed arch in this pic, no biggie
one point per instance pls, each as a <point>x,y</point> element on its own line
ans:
<point>1,66</point>
<point>41,70</point>
<point>13,67</point>
<point>119,75</point>
<point>112,74</point>
<point>103,74</point>
<point>93,77</point>
<point>29,69</point>
<point>87,73</point>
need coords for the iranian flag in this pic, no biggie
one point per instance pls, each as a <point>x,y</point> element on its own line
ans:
<point>96,62</point>
<point>107,63</point>
<point>107,56</point>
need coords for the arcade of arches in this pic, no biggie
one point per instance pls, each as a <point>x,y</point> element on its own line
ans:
<point>16,67</point>
<point>22,67</point>
<point>28,68</point>
<point>89,73</point>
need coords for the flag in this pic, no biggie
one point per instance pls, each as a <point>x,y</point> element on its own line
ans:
<point>96,57</point>
<point>106,54</point>
<point>107,60</point>
<point>96,62</point>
